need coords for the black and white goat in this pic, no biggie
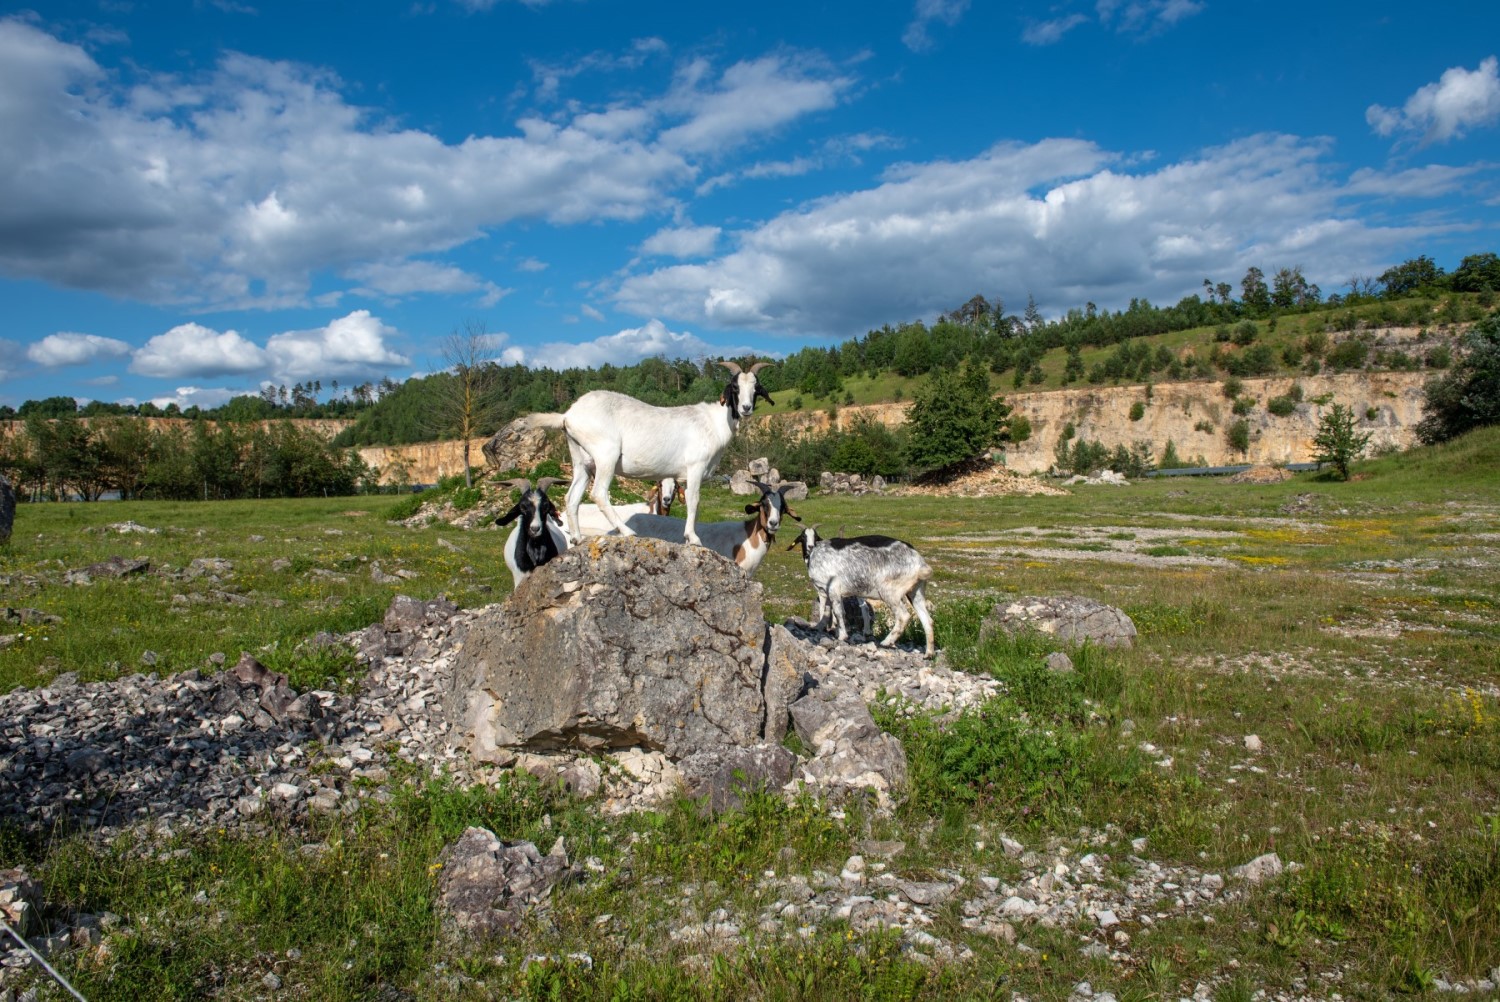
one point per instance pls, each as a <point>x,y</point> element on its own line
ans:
<point>746,543</point>
<point>537,538</point>
<point>610,433</point>
<point>867,567</point>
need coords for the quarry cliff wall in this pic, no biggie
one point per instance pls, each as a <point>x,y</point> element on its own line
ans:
<point>1194,416</point>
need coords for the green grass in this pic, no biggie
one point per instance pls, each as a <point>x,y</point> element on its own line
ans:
<point>1354,633</point>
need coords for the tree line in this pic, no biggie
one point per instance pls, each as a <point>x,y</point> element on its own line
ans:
<point>65,458</point>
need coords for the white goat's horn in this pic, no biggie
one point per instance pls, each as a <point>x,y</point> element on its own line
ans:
<point>733,367</point>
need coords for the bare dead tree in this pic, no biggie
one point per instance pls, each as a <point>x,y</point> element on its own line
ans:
<point>469,357</point>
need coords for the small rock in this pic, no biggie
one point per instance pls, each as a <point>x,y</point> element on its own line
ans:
<point>1252,743</point>
<point>1260,869</point>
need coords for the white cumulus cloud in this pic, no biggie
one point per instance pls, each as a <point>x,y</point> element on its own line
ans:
<point>1460,101</point>
<point>1061,218</point>
<point>682,241</point>
<point>69,348</point>
<point>241,185</point>
<point>946,12</point>
<point>353,345</point>
<point>624,347</point>
<point>192,350</point>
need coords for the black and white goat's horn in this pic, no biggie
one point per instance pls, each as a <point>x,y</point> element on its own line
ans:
<point>733,367</point>
<point>759,366</point>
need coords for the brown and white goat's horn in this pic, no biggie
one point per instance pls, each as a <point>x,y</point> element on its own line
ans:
<point>759,366</point>
<point>733,367</point>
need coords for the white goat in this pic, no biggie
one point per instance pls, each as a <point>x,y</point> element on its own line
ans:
<point>591,520</point>
<point>610,433</point>
<point>746,543</point>
<point>867,567</point>
<point>536,539</point>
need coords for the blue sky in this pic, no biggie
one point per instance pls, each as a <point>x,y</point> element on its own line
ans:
<point>198,198</point>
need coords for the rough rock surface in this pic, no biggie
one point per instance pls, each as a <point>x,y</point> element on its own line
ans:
<point>851,753</point>
<point>850,483</point>
<point>1067,617</point>
<point>743,481</point>
<point>19,896</point>
<point>516,447</point>
<point>488,886</point>
<point>566,662</point>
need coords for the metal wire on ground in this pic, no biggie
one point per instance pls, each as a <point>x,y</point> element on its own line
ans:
<point>41,960</point>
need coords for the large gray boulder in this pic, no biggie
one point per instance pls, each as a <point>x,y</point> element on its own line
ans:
<point>7,510</point>
<point>621,642</point>
<point>516,446</point>
<point>1071,618</point>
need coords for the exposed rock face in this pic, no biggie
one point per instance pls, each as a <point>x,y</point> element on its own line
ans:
<point>850,483</point>
<point>516,447</point>
<point>7,510</point>
<point>422,462</point>
<point>1073,618</point>
<point>487,886</point>
<point>851,752</point>
<point>617,643</point>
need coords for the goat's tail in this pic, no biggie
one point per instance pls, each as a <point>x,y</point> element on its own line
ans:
<point>924,573</point>
<point>543,420</point>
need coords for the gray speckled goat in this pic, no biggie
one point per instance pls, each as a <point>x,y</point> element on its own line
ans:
<point>867,567</point>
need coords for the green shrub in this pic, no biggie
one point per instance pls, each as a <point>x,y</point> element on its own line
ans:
<point>1238,436</point>
<point>1020,428</point>
<point>1244,333</point>
<point>1233,387</point>
<point>408,506</point>
<point>1349,354</point>
<point>1282,406</point>
<point>1137,411</point>
<point>1243,406</point>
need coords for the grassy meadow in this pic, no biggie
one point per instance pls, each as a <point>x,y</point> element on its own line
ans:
<point>1354,628</point>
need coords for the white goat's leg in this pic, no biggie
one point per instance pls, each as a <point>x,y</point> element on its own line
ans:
<point>822,623</point>
<point>836,606</point>
<point>604,474</point>
<point>919,601</point>
<point>690,501</point>
<point>900,613</point>
<point>583,469</point>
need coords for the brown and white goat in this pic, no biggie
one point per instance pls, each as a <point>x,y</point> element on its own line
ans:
<point>746,543</point>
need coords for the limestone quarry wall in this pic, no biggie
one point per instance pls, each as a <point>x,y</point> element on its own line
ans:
<point>423,462</point>
<point>1194,416</point>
